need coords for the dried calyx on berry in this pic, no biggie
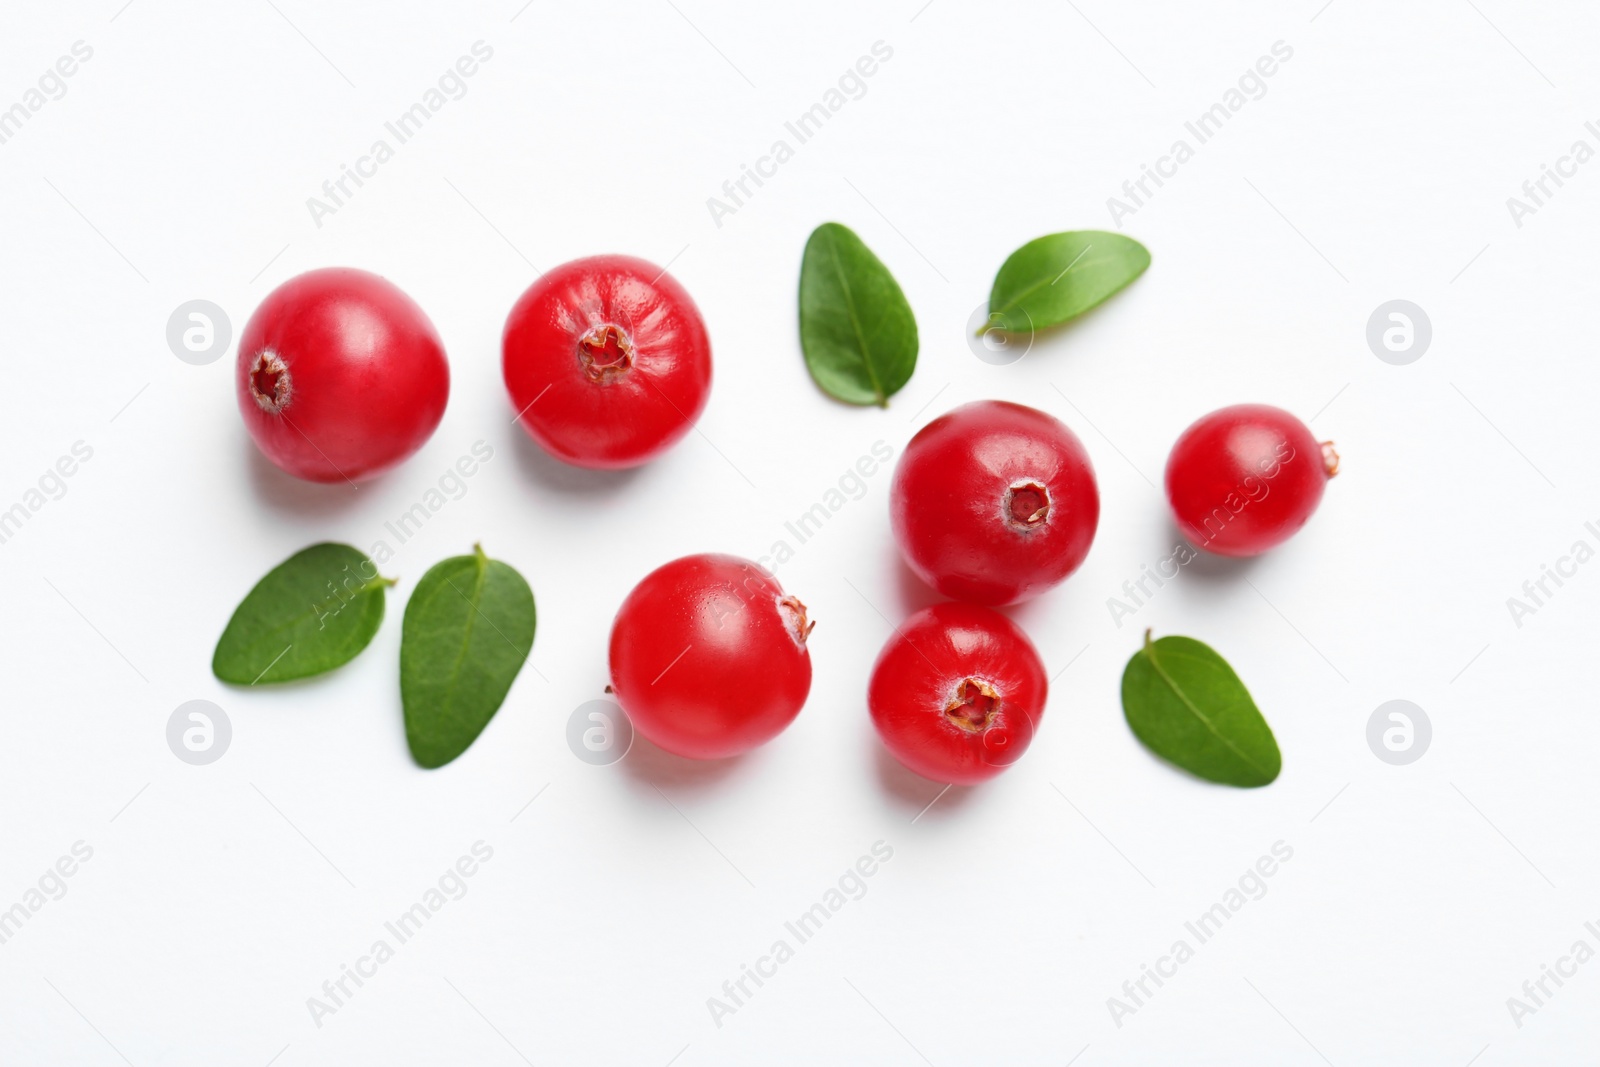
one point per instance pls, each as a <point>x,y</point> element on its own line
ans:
<point>606,352</point>
<point>270,384</point>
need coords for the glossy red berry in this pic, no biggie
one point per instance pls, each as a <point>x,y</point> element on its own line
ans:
<point>709,658</point>
<point>957,693</point>
<point>340,376</point>
<point>607,361</point>
<point>994,502</point>
<point>1245,478</point>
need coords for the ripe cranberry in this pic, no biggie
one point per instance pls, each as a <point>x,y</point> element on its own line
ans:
<point>708,656</point>
<point>607,361</point>
<point>340,375</point>
<point>1245,478</point>
<point>957,693</point>
<point>994,502</point>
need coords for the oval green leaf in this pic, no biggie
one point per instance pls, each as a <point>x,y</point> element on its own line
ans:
<point>313,612</point>
<point>856,328</point>
<point>468,629</point>
<point>1186,705</point>
<point>1058,277</point>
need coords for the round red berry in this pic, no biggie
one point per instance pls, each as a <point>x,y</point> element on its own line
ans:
<point>957,693</point>
<point>607,361</point>
<point>994,502</point>
<point>708,656</point>
<point>1245,478</point>
<point>340,375</point>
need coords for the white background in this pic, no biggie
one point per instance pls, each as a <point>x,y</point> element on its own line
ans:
<point>1377,166</point>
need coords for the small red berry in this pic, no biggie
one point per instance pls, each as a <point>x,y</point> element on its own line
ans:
<point>1245,478</point>
<point>607,362</point>
<point>340,375</point>
<point>994,502</point>
<point>957,693</point>
<point>708,656</point>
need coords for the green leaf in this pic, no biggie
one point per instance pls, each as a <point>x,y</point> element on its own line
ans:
<point>1188,707</point>
<point>467,631</point>
<point>313,612</point>
<point>856,329</point>
<point>1058,277</point>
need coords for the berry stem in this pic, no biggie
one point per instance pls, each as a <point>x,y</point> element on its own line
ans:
<point>1330,459</point>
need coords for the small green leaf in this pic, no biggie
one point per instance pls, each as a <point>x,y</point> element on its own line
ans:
<point>467,631</point>
<point>1188,707</point>
<point>856,329</point>
<point>1058,277</point>
<point>313,612</point>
